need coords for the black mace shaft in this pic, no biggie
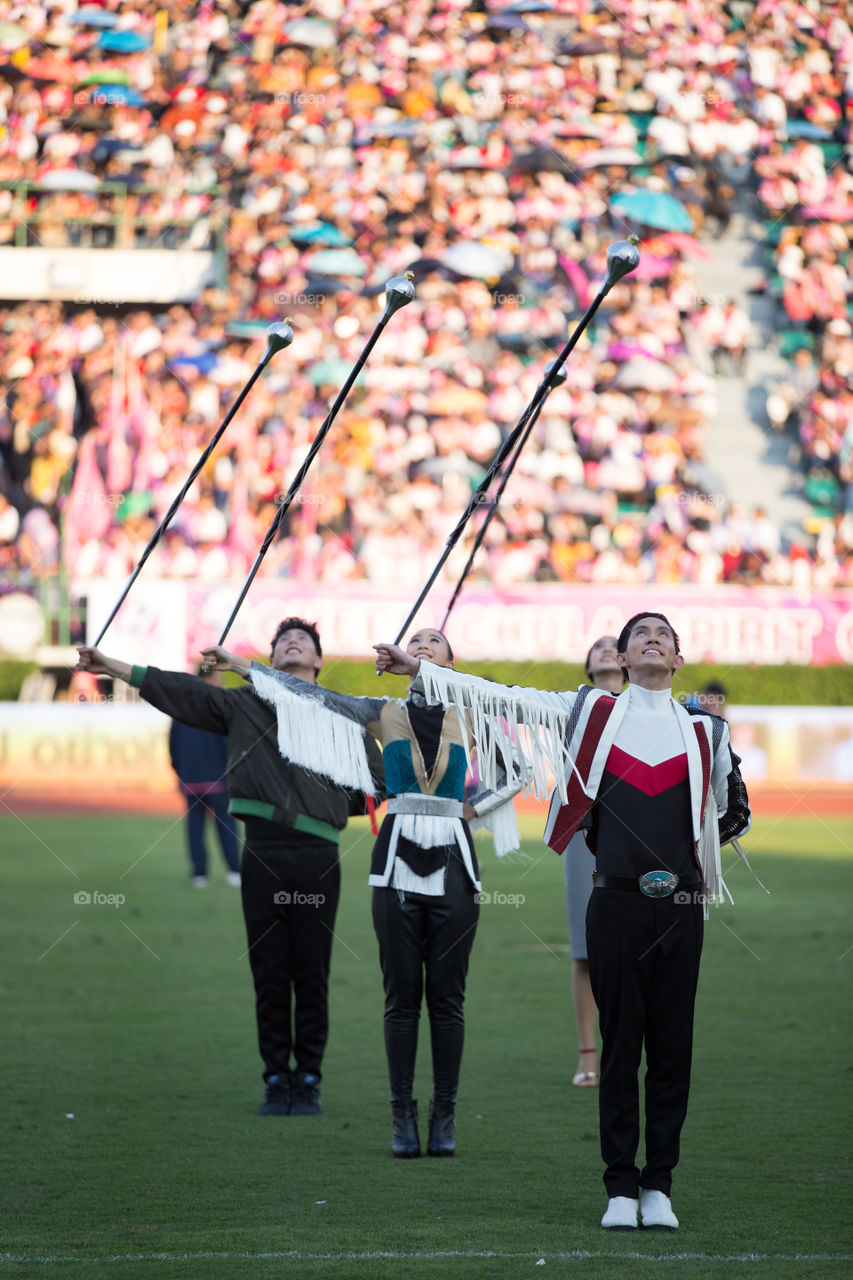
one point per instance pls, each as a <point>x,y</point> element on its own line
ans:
<point>399,291</point>
<point>495,503</point>
<point>278,336</point>
<point>622,257</point>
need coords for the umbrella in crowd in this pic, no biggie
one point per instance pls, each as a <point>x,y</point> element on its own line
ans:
<point>643,374</point>
<point>69,180</point>
<point>808,129</point>
<point>681,242</point>
<point>116,95</point>
<point>476,260</point>
<point>314,33</point>
<point>104,76</point>
<point>50,67</point>
<point>506,21</point>
<point>652,268</point>
<point>338,262</point>
<point>654,209</point>
<point>321,233</point>
<point>123,42</point>
<point>92,16</point>
<point>331,372</point>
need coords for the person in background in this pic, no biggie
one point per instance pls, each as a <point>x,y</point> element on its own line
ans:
<point>603,672</point>
<point>200,759</point>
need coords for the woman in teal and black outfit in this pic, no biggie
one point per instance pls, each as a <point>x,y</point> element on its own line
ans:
<point>424,872</point>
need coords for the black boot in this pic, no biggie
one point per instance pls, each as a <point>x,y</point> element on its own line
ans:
<point>305,1095</point>
<point>405,1143</point>
<point>442,1129</point>
<point>276,1096</point>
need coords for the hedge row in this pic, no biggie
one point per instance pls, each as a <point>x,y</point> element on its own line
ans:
<point>772,686</point>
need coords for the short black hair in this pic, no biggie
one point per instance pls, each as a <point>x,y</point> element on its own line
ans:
<point>297,624</point>
<point>625,633</point>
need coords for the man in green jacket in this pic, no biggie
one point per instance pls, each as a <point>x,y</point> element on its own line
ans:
<point>290,868</point>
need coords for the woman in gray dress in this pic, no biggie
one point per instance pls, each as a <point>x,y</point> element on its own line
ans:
<point>603,672</point>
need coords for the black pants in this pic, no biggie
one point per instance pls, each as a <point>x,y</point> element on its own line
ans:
<point>644,968</point>
<point>290,887</point>
<point>425,944</point>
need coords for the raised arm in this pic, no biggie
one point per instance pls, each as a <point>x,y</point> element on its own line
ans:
<point>183,697</point>
<point>523,729</point>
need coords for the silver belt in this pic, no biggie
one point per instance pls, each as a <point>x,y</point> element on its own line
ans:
<point>434,806</point>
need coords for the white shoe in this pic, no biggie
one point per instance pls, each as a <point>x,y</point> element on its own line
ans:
<point>200,882</point>
<point>621,1214</point>
<point>656,1212</point>
<point>233,878</point>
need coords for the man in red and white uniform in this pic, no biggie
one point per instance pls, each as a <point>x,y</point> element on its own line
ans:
<point>658,788</point>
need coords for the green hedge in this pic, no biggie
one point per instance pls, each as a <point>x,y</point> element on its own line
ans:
<point>771,686</point>
<point>12,676</point>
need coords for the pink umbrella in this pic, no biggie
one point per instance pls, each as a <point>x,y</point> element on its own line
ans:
<point>683,242</point>
<point>652,268</point>
<point>830,210</point>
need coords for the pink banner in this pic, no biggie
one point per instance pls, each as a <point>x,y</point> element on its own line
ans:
<point>731,625</point>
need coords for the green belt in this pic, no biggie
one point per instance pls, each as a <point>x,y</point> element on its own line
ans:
<point>247,808</point>
<point>314,827</point>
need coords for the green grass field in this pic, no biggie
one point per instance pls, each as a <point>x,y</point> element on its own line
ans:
<point>131,1078</point>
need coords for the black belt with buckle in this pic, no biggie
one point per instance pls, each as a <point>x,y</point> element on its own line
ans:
<point>654,884</point>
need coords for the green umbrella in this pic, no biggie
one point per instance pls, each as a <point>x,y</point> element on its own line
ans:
<point>337,262</point>
<point>105,75</point>
<point>331,371</point>
<point>321,233</point>
<point>134,504</point>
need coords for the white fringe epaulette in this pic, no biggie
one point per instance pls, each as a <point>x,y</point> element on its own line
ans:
<point>501,822</point>
<point>316,738</point>
<point>494,716</point>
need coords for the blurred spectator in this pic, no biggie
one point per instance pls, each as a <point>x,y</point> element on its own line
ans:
<point>416,130</point>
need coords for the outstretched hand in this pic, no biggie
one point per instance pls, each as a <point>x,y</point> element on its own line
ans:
<point>90,659</point>
<point>394,660</point>
<point>218,658</point>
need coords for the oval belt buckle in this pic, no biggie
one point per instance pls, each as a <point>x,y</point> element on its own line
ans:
<point>658,884</point>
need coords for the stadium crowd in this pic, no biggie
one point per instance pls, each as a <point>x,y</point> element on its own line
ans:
<point>341,143</point>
